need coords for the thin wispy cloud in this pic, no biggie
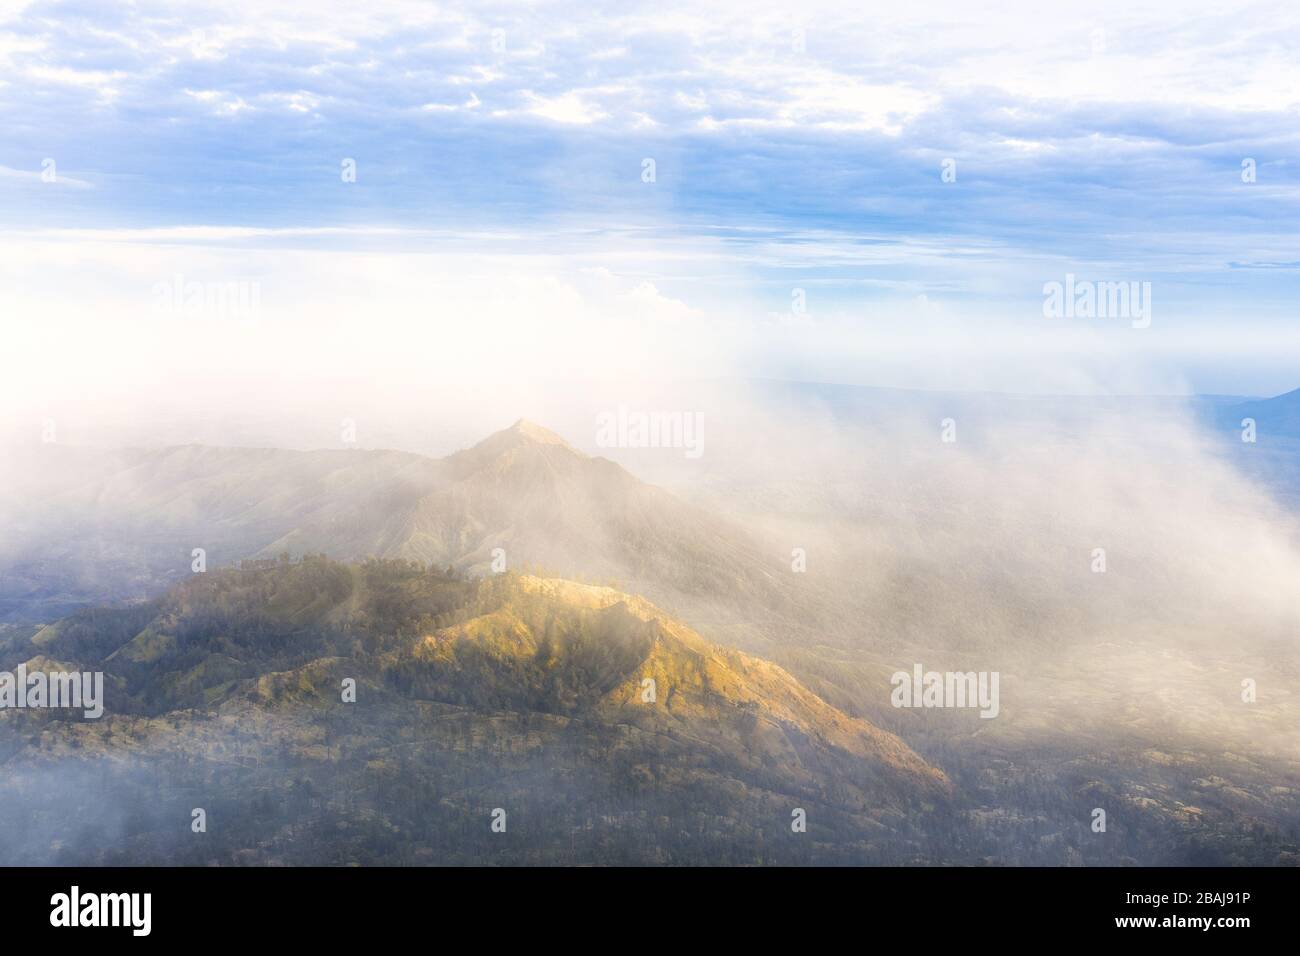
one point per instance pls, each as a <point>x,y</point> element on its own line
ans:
<point>810,145</point>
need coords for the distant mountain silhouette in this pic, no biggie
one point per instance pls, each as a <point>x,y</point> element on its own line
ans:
<point>122,525</point>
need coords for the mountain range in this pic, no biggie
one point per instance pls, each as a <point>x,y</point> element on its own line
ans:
<point>97,527</point>
<point>500,609</point>
<point>558,702</point>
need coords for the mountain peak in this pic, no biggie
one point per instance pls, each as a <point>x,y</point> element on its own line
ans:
<point>581,647</point>
<point>505,447</point>
<point>536,433</point>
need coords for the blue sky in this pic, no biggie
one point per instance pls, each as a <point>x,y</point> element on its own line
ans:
<point>795,147</point>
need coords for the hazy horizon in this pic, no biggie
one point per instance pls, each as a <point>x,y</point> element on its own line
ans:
<point>698,436</point>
